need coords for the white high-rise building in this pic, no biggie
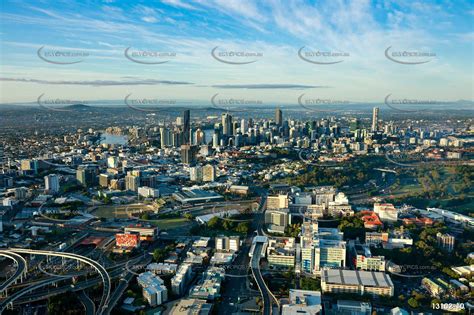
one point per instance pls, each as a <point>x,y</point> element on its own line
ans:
<point>180,280</point>
<point>131,182</point>
<point>321,247</point>
<point>51,183</point>
<point>2,157</point>
<point>375,119</point>
<point>225,243</point>
<point>243,126</point>
<point>226,124</point>
<point>154,290</point>
<point>112,162</point>
<point>215,140</point>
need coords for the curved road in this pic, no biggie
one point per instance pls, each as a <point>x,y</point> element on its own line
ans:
<point>87,302</point>
<point>100,269</point>
<point>24,291</point>
<point>114,297</point>
<point>20,270</point>
<point>255,264</point>
<point>123,283</point>
<point>268,298</point>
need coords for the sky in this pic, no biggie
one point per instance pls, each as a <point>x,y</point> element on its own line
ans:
<point>265,51</point>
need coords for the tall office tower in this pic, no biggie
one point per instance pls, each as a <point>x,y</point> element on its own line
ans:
<point>104,180</point>
<point>226,124</point>
<point>132,182</point>
<point>243,126</point>
<point>238,140</point>
<point>215,139</point>
<point>51,183</point>
<point>177,138</point>
<point>278,117</point>
<point>2,157</point>
<point>195,174</point>
<point>188,154</point>
<point>208,173</point>
<point>235,126</point>
<point>186,126</point>
<point>250,123</point>
<point>165,137</point>
<point>85,176</point>
<point>112,162</point>
<point>375,118</point>
<point>199,137</point>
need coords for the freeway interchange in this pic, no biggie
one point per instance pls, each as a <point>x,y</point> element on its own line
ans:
<point>40,289</point>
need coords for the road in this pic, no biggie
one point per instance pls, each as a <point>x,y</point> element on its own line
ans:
<point>87,302</point>
<point>123,284</point>
<point>114,272</point>
<point>24,291</point>
<point>98,267</point>
<point>363,197</point>
<point>236,288</point>
<point>44,294</point>
<point>21,264</point>
<point>37,296</point>
<point>268,298</point>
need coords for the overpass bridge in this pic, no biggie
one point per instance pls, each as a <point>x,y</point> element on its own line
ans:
<point>106,280</point>
<point>269,300</point>
<point>21,269</point>
<point>386,170</point>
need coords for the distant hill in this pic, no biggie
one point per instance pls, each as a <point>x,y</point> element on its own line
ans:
<point>78,107</point>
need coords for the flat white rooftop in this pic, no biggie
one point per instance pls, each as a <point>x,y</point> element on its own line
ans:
<point>355,277</point>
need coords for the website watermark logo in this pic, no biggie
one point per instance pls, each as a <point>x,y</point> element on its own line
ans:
<point>236,104</point>
<point>403,104</point>
<point>316,104</point>
<point>58,104</point>
<point>315,214</point>
<point>231,215</point>
<point>319,57</point>
<point>405,157</point>
<point>409,57</point>
<point>312,157</point>
<point>235,57</point>
<point>409,271</point>
<point>61,56</point>
<point>148,57</point>
<point>153,105</point>
<point>236,271</point>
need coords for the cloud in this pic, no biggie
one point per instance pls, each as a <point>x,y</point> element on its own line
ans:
<point>267,86</point>
<point>149,19</point>
<point>179,4</point>
<point>99,82</point>
<point>466,37</point>
<point>149,15</point>
<point>245,8</point>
